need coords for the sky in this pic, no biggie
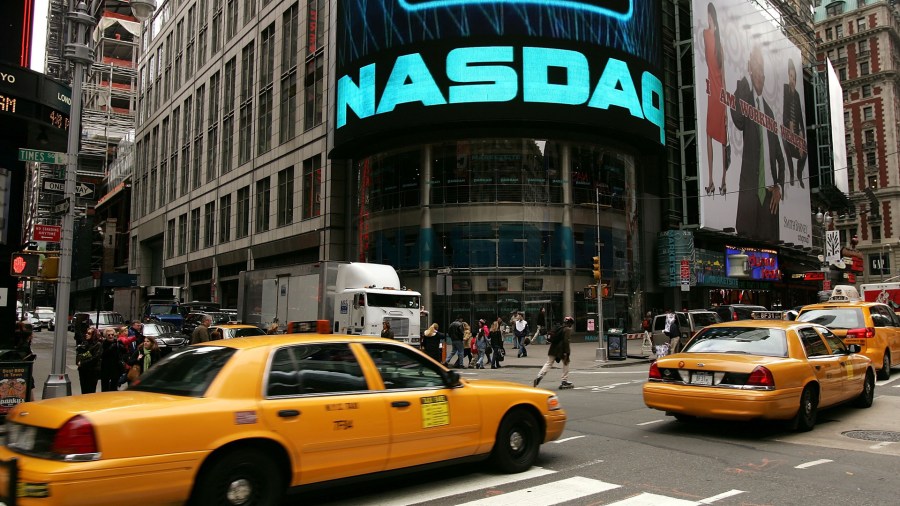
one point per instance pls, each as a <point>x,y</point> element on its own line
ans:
<point>39,35</point>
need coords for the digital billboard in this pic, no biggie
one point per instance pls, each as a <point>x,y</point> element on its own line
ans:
<point>430,68</point>
<point>751,135</point>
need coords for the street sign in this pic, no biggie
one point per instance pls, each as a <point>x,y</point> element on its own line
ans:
<point>49,233</point>
<point>62,207</point>
<point>84,190</point>
<point>52,185</point>
<point>34,155</point>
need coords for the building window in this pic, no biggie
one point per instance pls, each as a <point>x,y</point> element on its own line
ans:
<point>842,74</point>
<point>263,202</point>
<point>189,50</point>
<point>186,147</point>
<point>860,24</point>
<point>312,187</point>
<point>829,34</point>
<point>869,138</point>
<point>871,160</point>
<point>266,92</point>
<point>200,102</point>
<point>231,17</point>
<point>195,229</point>
<point>873,182</point>
<point>212,146</point>
<point>164,162</point>
<point>846,94</point>
<point>151,197</point>
<point>179,55</point>
<point>864,68</point>
<point>314,82</point>
<point>170,238</point>
<point>285,197</point>
<point>876,233</point>
<point>866,90</point>
<point>173,166</point>
<point>182,234</point>
<point>209,224</point>
<point>167,76</point>
<point>215,37</point>
<point>838,31</point>
<point>834,8</point>
<point>249,11</point>
<point>228,116</point>
<point>862,48</point>
<point>225,219</point>
<point>287,114</point>
<point>201,36</point>
<point>842,53</point>
<point>868,113</point>
<point>243,213</point>
<point>246,104</point>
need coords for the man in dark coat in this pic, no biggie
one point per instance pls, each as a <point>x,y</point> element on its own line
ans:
<point>559,351</point>
<point>456,338</point>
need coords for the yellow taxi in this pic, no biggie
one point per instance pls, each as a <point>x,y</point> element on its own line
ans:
<point>233,330</point>
<point>239,421</point>
<point>873,326</point>
<point>760,369</point>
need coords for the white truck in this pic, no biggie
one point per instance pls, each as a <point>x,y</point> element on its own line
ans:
<point>355,297</point>
<point>886,293</point>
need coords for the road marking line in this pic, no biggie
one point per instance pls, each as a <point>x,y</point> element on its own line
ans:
<point>444,488</point>
<point>654,421</point>
<point>646,499</point>
<point>567,439</point>
<point>610,372</point>
<point>881,445</point>
<point>813,463</point>
<point>549,493</point>
<point>723,495</point>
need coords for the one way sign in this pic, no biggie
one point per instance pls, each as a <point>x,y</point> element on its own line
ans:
<point>84,190</point>
<point>58,186</point>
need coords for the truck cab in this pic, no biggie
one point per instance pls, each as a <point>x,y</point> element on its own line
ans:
<point>362,311</point>
<point>166,311</point>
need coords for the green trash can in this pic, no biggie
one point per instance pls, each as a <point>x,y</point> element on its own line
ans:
<point>616,344</point>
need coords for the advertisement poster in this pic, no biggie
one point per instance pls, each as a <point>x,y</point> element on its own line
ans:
<point>751,139</point>
<point>15,384</point>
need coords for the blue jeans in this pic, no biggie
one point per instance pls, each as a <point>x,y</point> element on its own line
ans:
<point>458,352</point>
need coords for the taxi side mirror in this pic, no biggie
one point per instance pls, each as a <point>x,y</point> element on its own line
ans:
<point>452,379</point>
<point>853,348</point>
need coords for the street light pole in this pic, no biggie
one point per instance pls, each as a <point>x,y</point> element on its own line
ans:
<point>602,352</point>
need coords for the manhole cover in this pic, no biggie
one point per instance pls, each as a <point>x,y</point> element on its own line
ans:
<point>874,435</point>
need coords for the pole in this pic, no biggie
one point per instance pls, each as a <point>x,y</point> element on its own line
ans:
<point>78,52</point>
<point>602,352</point>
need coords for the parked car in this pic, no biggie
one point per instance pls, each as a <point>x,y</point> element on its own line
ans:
<point>100,319</point>
<point>244,408</point>
<point>761,369</point>
<point>29,317</point>
<point>47,316</point>
<point>735,312</point>
<point>167,337</point>
<point>689,322</point>
<point>193,319</point>
<point>230,331</point>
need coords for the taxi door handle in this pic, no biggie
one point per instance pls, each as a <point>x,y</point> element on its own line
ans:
<point>400,404</point>
<point>288,413</point>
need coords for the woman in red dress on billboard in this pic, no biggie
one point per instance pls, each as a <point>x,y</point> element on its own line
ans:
<point>715,111</point>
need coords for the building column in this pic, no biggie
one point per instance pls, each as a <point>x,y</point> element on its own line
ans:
<point>427,240</point>
<point>567,240</point>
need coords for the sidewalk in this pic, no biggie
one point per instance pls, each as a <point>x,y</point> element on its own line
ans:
<point>584,356</point>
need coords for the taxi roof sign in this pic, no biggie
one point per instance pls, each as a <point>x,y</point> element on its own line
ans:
<point>844,293</point>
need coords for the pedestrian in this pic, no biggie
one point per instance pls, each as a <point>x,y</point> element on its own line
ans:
<point>496,343</point>
<point>647,322</point>
<point>112,361</point>
<point>432,339</point>
<point>467,344</point>
<point>386,331</point>
<point>520,333</point>
<point>22,337</point>
<point>540,325</point>
<point>201,333</point>
<point>145,356</point>
<point>215,335</point>
<point>455,332</point>
<point>79,328</point>
<point>672,331</point>
<point>136,331</point>
<point>272,329</point>
<point>480,344</point>
<point>560,350</point>
<point>87,358</point>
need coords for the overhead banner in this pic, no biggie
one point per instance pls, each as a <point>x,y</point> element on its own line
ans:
<point>433,68</point>
<point>752,149</point>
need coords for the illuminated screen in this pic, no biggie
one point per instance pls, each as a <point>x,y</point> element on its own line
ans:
<point>429,69</point>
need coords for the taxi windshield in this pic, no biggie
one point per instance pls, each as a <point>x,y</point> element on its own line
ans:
<point>741,340</point>
<point>187,373</point>
<point>835,317</point>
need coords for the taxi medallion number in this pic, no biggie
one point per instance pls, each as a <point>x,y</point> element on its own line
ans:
<point>435,411</point>
<point>701,378</point>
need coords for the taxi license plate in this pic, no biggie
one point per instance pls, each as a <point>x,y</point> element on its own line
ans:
<point>702,378</point>
<point>22,437</point>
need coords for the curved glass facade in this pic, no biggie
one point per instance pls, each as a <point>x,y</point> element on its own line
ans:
<point>515,220</point>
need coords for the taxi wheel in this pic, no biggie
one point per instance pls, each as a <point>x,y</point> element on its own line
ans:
<point>517,444</point>
<point>806,415</point>
<point>868,393</point>
<point>885,372</point>
<point>240,478</point>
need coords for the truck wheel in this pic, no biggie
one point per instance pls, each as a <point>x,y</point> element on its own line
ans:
<point>241,478</point>
<point>885,372</point>
<point>517,444</point>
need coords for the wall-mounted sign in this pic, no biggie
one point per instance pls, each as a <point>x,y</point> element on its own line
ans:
<point>49,233</point>
<point>814,276</point>
<point>497,284</point>
<point>752,263</point>
<point>533,284</point>
<point>879,263</point>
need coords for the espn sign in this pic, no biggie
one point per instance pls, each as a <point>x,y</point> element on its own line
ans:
<point>48,233</point>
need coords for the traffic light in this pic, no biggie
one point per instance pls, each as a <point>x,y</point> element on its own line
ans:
<point>24,265</point>
<point>590,292</point>
<point>604,292</point>
<point>596,268</point>
<point>50,267</point>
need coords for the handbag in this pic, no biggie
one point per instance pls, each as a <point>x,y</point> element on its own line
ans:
<point>502,354</point>
<point>134,373</point>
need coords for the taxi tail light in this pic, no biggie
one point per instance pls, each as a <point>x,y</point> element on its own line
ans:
<point>861,333</point>
<point>654,372</point>
<point>734,316</point>
<point>75,437</point>
<point>761,377</point>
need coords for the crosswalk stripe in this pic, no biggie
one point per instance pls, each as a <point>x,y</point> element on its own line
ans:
<point>445,488</point>
<point>549,493</point>
<point>646,499</point>
<point>723,495</point>
<point>813,463</point>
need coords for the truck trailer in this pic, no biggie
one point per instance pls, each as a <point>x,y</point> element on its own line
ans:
<point>886,293</point>
<point>354,297</point>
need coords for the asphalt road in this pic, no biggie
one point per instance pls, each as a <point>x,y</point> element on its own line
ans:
<point>616,451</point>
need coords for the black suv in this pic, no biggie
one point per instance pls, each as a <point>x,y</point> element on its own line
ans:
<point>734,312</point>
<point>193,319</point>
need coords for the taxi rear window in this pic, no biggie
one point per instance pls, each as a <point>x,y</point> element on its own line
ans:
<point>835,317</point>
<point>186,373</point>
<point>739,340</point>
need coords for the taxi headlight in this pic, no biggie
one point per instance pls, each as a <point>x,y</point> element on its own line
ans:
<point>553,403</point>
